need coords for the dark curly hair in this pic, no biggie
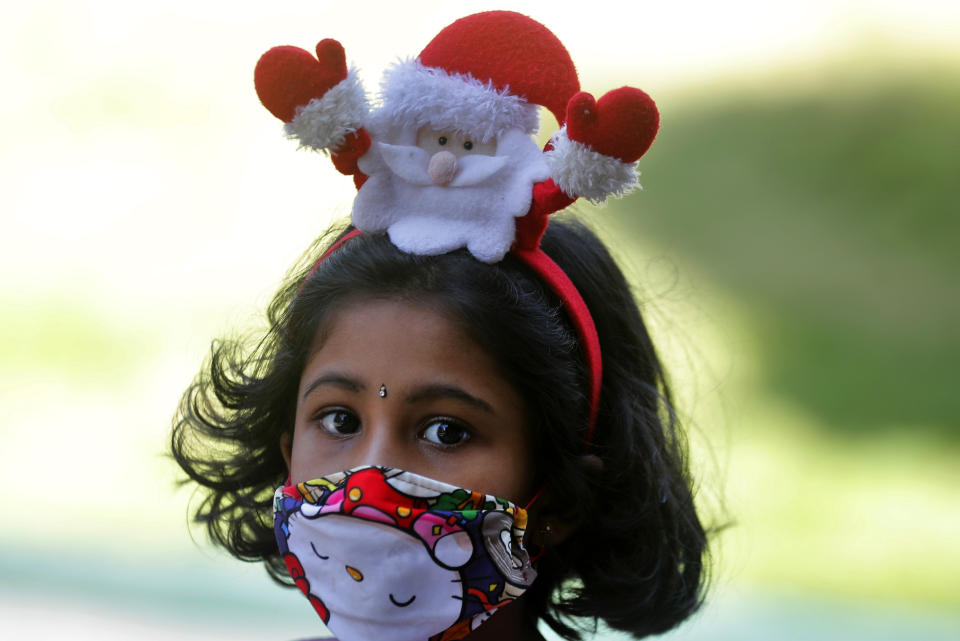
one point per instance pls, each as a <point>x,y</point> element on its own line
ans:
<point>637,561</point>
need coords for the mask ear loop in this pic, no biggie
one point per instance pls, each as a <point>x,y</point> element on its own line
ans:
<point>543,549</point>
<point>536,495</point>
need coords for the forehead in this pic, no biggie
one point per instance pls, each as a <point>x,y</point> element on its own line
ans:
<point>400,341</point>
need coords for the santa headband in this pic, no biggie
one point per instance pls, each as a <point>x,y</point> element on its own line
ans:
<point>446,161</point>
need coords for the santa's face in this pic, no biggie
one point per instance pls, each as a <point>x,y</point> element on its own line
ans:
<point>433,141</point>
<point>435,190</point>
<point>449,162</point>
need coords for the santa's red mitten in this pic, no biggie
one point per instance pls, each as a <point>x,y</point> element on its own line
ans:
<point>594,154</point>
<point>319,101</point>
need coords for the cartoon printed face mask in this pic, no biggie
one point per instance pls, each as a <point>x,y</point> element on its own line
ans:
<point>387,554</point>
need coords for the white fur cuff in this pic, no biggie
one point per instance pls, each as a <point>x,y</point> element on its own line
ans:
<point>580,171</point>
<point>324,122</point>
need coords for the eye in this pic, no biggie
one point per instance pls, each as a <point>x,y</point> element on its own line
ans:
<point>442,140</point>
<point>468,145</point>
<point>445,432</point>
<point>339,422</point>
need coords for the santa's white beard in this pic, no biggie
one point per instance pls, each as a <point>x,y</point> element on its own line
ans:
<point>477,210</point>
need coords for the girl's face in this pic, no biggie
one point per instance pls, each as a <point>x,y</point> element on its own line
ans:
<point>446,413</point>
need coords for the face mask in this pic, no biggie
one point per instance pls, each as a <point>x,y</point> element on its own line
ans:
<point>386,554</point>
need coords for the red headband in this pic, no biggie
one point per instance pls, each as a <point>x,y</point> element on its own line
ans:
<point>561,285</point>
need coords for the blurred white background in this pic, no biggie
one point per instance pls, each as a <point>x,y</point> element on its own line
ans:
<point>149,204</point>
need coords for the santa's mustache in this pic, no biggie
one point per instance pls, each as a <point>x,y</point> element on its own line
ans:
<point>412,165</point>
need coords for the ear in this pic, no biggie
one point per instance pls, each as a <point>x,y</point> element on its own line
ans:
<point>556,520</point>
<point>286,448</point>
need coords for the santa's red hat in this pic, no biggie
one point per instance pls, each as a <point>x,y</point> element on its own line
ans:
<point>483,75</point>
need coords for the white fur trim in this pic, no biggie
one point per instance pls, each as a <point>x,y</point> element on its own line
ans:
<point>416,95</point>
<point>580,171</point>
<point>324,122</point>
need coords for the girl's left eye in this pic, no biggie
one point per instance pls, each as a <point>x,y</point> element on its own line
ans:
<point>445,433</point>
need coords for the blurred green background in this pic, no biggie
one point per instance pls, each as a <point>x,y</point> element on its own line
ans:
<point>794,247</point>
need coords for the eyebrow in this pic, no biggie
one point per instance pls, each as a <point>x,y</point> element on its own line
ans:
<point>334,379</point>
<point>434,392</point>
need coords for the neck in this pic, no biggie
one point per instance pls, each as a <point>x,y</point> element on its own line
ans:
<point>507,624</point>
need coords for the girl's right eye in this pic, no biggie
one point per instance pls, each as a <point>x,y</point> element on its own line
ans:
<point>339,422</point>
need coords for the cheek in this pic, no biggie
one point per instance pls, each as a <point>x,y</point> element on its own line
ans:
<point>519,467</point>
<point>313,452</point>
<point>505,465</point>
<point>307,453</point>
<point>505,471</point>
<point>519,479</point>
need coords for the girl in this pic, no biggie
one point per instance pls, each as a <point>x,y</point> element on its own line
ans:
<point>485,388</point>
<point>461,406</point>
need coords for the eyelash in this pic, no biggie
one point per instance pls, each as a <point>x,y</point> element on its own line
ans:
<point>464,430</point>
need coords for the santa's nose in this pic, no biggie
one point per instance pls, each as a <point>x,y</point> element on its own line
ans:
<point>442,168</point>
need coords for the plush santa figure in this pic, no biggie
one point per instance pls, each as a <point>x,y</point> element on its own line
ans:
<point>447,159</point>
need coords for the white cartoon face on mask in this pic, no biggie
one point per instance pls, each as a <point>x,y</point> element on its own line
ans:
<point>382,553</point>
<point>383,568</point>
